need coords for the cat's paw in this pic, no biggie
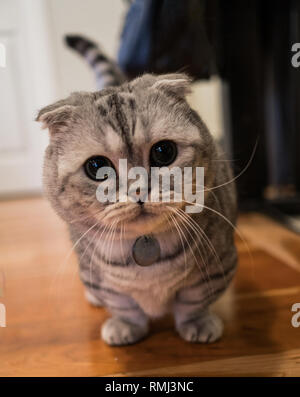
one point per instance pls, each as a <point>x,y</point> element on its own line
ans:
<point>92,299</point>
<point>205,329</point>
<point>117,332</point>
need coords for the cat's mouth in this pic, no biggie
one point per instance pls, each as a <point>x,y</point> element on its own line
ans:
<point>138,214</point>
<point>137,218</point>
<point>145,222</point>
<point>144,215</point>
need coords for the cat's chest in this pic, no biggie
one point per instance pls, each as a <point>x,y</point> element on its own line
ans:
<point>122,270</point>
<point>153,288</point>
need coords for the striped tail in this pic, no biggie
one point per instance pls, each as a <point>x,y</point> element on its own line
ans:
<point>107,71</point>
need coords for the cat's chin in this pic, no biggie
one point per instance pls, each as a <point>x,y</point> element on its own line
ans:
<point>146,223</point>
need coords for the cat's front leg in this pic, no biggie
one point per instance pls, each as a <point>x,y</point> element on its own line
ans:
<point>92,299</point>
<point>128,323</point>
<point>194,322</point>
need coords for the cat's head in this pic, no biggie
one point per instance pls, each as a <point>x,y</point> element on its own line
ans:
<point>146,122</point>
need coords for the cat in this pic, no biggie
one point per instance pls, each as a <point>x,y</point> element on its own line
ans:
<point>197,258</point>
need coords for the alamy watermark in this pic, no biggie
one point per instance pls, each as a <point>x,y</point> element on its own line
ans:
<point>166,185</point>
<point>296,317</point>
<point>2,306</point>
<point>295,60</point>
<point>2,315</point>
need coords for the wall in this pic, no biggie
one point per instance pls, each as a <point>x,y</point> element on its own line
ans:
<point>101,20</point>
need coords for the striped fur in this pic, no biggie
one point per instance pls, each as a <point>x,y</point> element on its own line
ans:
<point>106,70</point>
<point>198,255</point>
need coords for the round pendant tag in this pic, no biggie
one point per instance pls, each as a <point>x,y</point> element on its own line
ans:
<point>145,250</point>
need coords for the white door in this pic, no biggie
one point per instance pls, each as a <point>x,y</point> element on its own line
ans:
<point>39,70</point>
<point>27,82</point>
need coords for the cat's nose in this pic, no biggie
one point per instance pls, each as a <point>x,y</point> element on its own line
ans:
<point>142,197</point>
<point>139,196</point>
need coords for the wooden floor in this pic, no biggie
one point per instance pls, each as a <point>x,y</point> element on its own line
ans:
<point>52,331</point>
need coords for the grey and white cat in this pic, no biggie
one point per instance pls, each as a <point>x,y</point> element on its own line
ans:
<point>197,252</point>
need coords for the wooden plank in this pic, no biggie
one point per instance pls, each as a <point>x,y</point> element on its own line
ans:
<point>263,232</point>
<point>280,364</point>
<point>52,331</point>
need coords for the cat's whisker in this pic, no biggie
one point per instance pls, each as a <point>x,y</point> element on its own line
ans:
<point>180,237</point>
<point>216,199</point>
<point>95,248</point>
<point>93,253</point>
<point>107,241</point>
<point>107,238</point>
<point>207,278</point>
<point>196,260</point>
<point>88,245</point>
<point>91,264</point>
<point>188,223</point>
<point>61,267</point>
<point>239,174</point>
<point>181,240</point>
<point>112,239</point>
<point>122,235</point>
<point>197,228</point>
<point>81,218</point>
<point>235,228</point>
<point>90,215</point>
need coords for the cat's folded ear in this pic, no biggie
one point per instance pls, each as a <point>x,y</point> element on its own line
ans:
<point>176,83</point>
<point>56,116</point>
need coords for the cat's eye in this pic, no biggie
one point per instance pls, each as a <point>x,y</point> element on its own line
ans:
<point>93,164</point>
<point>163,153</point>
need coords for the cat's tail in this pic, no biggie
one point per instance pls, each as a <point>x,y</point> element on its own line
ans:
<point>106,70</point>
